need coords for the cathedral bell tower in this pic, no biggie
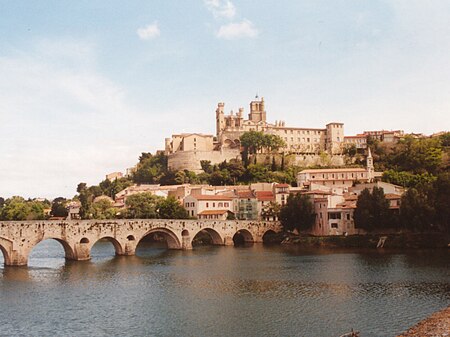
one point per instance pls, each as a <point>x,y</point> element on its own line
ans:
<point>370,168</point>
<point>257,110</point>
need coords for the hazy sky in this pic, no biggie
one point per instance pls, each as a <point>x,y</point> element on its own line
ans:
<point>86,86</point>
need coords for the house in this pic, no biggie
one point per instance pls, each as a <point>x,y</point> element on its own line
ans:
<point>212,207</point>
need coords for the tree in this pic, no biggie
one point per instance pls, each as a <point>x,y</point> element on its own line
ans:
<point>407,179</point>
<point>254,141</point>
<point>372,209</point>
<point>170,208</point>
<point>102,209</point>
<point>257,173</point>
<point>416,213</point>
<point>2,202</point>
<point>111,188</point>
<point>206,166</point>
<point>17,208</point>
<point>142,206</point>
<point>297,213</point>
<point>271,211</point>
<point>59,207</point>
<point>417,155</point>
<point>150,169</point>
<point>442,200</point>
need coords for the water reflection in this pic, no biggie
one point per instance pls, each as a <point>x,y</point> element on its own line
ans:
<point>216,291</point>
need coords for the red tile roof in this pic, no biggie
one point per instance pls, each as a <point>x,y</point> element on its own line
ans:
<point>245,194</point>
<point>211,197</point>
<point>218,212</point>
<point>282,185</point>
<point>265,196</point>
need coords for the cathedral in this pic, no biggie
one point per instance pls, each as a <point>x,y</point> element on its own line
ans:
<point>185,151</point>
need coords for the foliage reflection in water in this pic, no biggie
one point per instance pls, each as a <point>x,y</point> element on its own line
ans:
<point>222,291</point>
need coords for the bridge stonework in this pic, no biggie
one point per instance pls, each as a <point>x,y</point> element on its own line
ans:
<point>17,238</point>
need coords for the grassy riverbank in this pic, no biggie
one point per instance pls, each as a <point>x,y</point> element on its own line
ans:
<point>403,240</point>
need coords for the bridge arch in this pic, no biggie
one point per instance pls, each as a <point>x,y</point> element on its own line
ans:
<point>6,247</point>
<point>267,235</point>
<point>172,240</point>
<point>216,238</point>
<point>69,253</point>
<point>117,245</point>
<point>243,236</point>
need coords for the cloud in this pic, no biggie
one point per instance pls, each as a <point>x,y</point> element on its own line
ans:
<point>62,121</point>
<point>221,8</point>
<point>232,31</point>
<point>149,32</point>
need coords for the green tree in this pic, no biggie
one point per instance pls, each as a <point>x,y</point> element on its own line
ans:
<point>407,179</point>
<point>297,213</point>
<point>111,188</point>
<point>142,206</point>
<point>206,166</point>
<point>271,211</point>
<point>372,210</point>
<point>445,139</point>
<point>416,212</point>
<point>150,169</point>
<point>417,155</point>
<point>17,208</point>
<point>59,207</point>
<point>102,209</point>
<point>170,208</point>
<point>257,173</point>
<point>254,141</point>
<point>442,200</point>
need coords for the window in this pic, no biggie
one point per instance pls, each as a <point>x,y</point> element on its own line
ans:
<point>207,205</point>
<point>214,204</point>
<point>220,204</point>
<point>334,225</point>
<point>227,204</point>
<point>348,216</point>
<point>334,215</point>
<point>307,139</point>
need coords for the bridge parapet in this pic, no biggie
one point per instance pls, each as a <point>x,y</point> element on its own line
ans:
<point>17,238</point>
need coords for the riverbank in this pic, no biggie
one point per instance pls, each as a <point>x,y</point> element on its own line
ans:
<point>437,325</point>
<point>402,240</point>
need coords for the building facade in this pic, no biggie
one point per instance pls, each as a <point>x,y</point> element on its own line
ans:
<point>185,151</point>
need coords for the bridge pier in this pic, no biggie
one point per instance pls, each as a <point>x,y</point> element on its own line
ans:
<point>15,259</point>
<point>81,251</point>
<point>186,242</point>
<point>228,241</point>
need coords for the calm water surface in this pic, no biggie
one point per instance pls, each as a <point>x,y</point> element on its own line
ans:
<point>222,291</point>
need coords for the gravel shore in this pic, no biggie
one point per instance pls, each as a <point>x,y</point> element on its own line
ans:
<point>437,325</point>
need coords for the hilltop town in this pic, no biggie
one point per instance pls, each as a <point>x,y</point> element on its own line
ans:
<point>251,169</point>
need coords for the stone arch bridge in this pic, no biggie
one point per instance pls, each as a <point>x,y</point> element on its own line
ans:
<point>17,238</point>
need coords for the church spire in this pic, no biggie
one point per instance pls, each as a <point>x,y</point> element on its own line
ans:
<point>370,168</point>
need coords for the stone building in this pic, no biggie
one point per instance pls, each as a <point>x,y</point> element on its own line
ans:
<point>187,150</point>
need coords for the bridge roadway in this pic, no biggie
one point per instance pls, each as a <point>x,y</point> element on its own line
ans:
<point>17,238</point>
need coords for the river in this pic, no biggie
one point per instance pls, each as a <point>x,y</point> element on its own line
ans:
<point>222,291</point>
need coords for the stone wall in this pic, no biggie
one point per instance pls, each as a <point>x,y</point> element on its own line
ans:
<point>190,160</point>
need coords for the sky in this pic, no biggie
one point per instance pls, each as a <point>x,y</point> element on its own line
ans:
<point>86,86</point>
